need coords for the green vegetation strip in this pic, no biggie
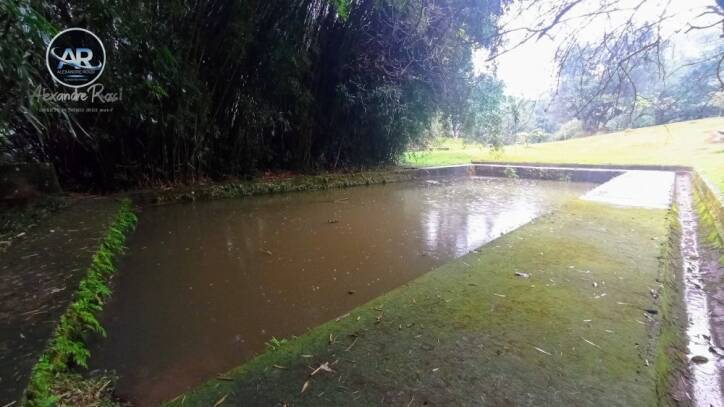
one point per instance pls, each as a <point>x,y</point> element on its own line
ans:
<point>567,310</point>
<point>67,348</point>
<point>711,214</point>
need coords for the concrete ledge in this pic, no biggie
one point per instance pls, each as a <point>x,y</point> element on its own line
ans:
<point>238,189</point>
<point>595,175</point>
<point>651,167</point>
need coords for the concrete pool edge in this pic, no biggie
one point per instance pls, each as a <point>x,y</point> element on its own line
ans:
<point>301,183</point>
<point>624,167</point>
<point>369,314</point>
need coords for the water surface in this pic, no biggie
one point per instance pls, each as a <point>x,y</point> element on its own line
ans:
<point>205,285</point>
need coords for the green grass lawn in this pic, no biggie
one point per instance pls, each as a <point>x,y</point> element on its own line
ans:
<point>684,143</point>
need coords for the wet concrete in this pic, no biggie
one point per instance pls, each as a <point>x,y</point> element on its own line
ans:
<point>39,274</point>
<point>704,354</point>
<point>205,285</point>
<point>596,175</point>
<point>643,189</point>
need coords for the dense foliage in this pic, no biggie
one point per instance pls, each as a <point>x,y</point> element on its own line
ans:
<point>228,87</point>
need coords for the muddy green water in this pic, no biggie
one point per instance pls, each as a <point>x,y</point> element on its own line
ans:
<point>205,285</point>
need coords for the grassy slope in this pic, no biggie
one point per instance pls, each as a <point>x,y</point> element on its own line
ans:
<point>466,333</point>
<point>682,143</point>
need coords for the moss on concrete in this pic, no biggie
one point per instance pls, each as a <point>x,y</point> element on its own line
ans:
<point>671,361</point>
<point>580,329</point>
<point>710,209</point>
<point>67,348</point>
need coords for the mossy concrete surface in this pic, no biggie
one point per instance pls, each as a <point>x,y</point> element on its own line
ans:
<point>40,273</point>
<point>577,325</point>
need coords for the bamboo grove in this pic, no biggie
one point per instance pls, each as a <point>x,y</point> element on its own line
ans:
<point>220,88</point>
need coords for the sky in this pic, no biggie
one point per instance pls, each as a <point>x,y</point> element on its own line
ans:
<point>529,70</point>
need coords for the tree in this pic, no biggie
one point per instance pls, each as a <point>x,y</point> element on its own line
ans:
<point>226,88</point>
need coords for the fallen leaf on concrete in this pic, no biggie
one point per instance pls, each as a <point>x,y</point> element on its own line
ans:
<point>351,344</point>
<point>324,367</point>
<point>590,343</point>
<point>220,401</point>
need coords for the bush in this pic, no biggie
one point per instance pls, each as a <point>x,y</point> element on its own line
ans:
<point>570,129</point>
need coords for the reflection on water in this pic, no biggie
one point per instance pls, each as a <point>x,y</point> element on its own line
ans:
<point>206,284</point>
